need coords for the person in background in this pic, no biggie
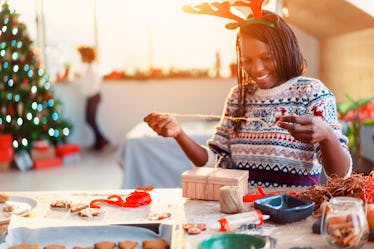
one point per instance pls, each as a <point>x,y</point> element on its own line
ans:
<point>278,124</point>
<point>90,81</point>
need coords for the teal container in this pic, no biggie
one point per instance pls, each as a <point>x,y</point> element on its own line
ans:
<point>233,240</point>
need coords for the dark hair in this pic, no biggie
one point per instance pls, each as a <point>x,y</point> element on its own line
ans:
<point>87,52</point>
<point>284,48</point>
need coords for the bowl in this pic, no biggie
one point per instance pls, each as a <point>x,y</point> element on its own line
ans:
<point>285,208</point>
<point>234,240</point>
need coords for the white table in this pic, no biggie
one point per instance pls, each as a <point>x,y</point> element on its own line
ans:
<point>297,234</point>
<point>149,159</point>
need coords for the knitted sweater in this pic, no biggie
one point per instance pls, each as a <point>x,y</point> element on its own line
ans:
<point>271,155</point>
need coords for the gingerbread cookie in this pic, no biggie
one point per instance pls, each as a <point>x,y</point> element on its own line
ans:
<point>128,244</point>
<point>4,197</point>
<point>8,208</point>
<point>61,204</point>
<point>54,246</point>
<point>25,246</point>
<point>105,245</point>
<point>76,207</point>
<point>155,244</point>
<point>90,212</point>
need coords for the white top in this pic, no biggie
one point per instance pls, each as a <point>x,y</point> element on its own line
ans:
<point>89,79</point>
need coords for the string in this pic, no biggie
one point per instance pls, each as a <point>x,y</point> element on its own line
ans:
<point>217,116</point>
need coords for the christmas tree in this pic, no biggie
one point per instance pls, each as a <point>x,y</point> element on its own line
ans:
<point>28,109</point>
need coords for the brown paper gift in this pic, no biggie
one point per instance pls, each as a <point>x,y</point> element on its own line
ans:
<point>203,183</point>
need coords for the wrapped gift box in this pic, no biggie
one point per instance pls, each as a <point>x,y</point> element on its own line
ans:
<point>42,153</point>
<point>63,150</point>
<point>47,163</point>
<point>203,183</point>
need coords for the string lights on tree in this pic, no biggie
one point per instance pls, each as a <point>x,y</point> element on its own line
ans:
<point>28,109</point>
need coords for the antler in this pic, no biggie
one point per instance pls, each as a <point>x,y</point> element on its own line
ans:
<point>223,10</point>
<point>255,6</point>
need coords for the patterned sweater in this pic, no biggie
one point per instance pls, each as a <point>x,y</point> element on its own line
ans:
<point>271,155</point>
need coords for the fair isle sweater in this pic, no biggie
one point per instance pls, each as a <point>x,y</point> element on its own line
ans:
<point>271,155</point>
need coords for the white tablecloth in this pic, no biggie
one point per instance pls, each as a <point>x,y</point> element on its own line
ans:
<point>297,234</point>
<point>149,159</point>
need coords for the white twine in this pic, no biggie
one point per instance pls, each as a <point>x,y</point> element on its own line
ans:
<point>217,117</point>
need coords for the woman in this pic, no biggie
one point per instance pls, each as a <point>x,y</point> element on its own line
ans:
<point>90,81</point>
<point>279,125</point>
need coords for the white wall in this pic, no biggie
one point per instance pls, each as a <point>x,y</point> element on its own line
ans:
<point>125,103</point>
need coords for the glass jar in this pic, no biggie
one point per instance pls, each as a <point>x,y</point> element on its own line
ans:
<point>344,223</point>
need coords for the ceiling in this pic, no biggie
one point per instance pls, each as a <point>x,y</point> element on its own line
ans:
<point>327,18</point>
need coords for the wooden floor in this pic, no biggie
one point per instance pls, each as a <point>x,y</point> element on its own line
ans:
<point>92,171</point>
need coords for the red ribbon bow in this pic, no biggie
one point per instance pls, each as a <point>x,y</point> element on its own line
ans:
<point>138,198</point>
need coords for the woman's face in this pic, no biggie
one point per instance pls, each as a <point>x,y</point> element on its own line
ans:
<point>258,63</point>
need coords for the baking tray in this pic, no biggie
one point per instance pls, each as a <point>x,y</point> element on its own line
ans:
<point>85,236</point>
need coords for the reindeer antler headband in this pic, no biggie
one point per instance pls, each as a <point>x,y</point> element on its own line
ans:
<point>223,9</point>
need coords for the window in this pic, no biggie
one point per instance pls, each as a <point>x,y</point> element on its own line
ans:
<point>130,35</point>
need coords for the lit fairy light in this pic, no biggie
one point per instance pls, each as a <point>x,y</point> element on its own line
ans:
<point>56,133</point>
<point>36,120</point>
<point>19,121</point>
<point>2,53</point>
<point>10,96</point>
<point>66,131</point>
<point>25,142</point>
<point>40,107</point>
<point>5,64</point>
<point>15,56</point>
<point>34,105</point>
<point>51,132</point>
<point>54,116</point>
<point>13,43</point>
<point>34,89</point>
<point>4,28</point>
<point>15,68</point>
<point>10,83</point>
<point>3,45</point>
<point>47,85</point>
<point>14,30</point>
<point>8,118</point>
<point>17,98</point>
<point>51,102</point>
<point>29,116</point>
<point>19,44</point>
<point>30,73</point>
<point>26,68</point>
<point>15,144</point>
<point>40,72</point>
<point>6,20</point>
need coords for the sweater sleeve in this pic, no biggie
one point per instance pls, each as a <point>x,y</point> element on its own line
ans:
<point>322,104</point>
<point>219,144</point>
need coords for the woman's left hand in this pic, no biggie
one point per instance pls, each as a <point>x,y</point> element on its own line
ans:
<point>307,129</point>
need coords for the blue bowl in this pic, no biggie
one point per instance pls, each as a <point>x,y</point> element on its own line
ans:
<point>234,240</point>
<point>285,208</point>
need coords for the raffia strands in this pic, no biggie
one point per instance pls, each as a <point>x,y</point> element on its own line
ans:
<point>230,199</point>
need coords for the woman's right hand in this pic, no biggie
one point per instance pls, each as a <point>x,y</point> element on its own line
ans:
<point>163,124</point>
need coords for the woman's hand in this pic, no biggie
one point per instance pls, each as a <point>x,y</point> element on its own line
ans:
<point>307,129</point>
<point>163,124</point>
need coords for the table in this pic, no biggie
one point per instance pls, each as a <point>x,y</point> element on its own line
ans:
<point>171,200</point>
<point>149,159</point>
